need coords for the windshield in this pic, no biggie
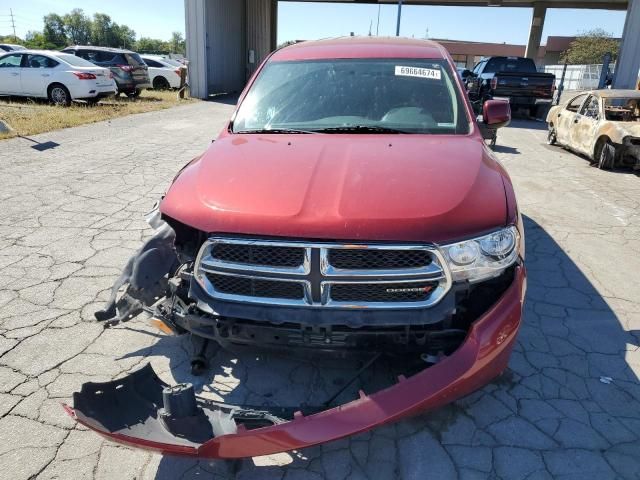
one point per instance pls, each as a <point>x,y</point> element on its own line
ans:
<point>73,60</point>
<point>363,95</point>
<point>622,109</point>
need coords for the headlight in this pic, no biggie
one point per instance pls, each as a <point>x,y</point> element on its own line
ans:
<point>483,257</point>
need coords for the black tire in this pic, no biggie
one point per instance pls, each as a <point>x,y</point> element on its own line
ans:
<point>134,94</point>
<point>606,156</point>
<point>93,101</point>
<point>59,95</point>
<point>551,136</point>
<point>161,83</point>
<point>533,112</point>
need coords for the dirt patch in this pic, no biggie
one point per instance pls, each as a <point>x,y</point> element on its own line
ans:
<point>30,117</point>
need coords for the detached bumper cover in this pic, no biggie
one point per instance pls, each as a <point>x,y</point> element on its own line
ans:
<point>129,410</point>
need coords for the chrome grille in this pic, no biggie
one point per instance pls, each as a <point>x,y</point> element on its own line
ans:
<point>322,274</point>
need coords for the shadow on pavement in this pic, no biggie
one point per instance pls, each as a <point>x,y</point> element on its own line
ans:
<point>569,403</point>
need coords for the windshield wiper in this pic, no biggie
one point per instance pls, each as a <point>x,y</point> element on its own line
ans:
<point>359,129</point>
<point>276,130</point>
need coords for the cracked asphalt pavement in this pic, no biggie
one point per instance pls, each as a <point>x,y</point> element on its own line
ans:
<point>568,407</point>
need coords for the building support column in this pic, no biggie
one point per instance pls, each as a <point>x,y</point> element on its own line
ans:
<point>196,41</point>
<point>628,63</point>
<point>535,32</point>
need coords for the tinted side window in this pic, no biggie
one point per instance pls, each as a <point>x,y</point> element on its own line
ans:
<point>40,61</point>
<point>153,63</point>
<point>6,49</point>
<point>134,59</point>
<point>11,60</point>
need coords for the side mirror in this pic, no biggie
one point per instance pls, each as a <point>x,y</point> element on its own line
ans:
<point>466,73</point>
<point>496,113</point>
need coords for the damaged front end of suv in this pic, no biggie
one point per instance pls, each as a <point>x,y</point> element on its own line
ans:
<point>321,237</point>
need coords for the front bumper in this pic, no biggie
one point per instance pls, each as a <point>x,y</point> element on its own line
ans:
<point>119,410</point>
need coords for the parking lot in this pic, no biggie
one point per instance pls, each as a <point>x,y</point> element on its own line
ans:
<point>70,216</point>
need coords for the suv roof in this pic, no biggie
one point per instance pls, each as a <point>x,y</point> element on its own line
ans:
<point>361,47</point>
<point>102,49</point>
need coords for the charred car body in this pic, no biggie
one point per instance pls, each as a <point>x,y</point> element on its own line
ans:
<point>604,125</point>
<point>350,204</point>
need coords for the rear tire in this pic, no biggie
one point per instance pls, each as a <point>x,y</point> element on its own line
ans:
<point>59,95</point>
<point>161,83</point>
<point>606,156</point>
<point>551,136</point>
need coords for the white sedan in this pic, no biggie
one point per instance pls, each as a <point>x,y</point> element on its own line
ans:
<point>58,76</point>
<point>163,72</point>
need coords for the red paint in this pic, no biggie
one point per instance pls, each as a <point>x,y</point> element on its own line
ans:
<point>483,356</point>
<point>496,113</point>
<point>424,188</point>
<point>427,188</point>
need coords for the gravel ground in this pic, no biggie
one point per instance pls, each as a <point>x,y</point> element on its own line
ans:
<point>70,216</point>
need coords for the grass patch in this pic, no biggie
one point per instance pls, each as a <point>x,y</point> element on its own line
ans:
<point>30,117</point>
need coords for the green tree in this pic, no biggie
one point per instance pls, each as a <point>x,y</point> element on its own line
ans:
<point>178,44</point>
<point>78,27</point>
<point>37,41</point>
<point>54,30</point>
<point>151,45</point>
<point>589,47</point>
<point>125,36</point>
<point>102,31</point>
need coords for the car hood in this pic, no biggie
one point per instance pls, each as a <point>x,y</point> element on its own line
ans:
<point>427,188</point>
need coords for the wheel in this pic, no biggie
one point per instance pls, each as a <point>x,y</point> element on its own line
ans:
<point>93,101</point>
<point>135,94</point>
<point>607,156</point>
<point>59,95</point>
<point>533,111</point>
<point>161,83</point>
<point>551,136</point>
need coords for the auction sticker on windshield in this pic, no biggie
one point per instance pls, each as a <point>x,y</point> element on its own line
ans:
<point>417,72</point>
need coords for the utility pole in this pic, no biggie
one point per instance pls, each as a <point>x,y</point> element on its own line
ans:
<point>378,25</point>
<point>399,17</point>
<point>13,24</point>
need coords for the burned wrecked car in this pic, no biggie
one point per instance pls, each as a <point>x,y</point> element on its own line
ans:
<point>350,205</point>
<point>604,125</point>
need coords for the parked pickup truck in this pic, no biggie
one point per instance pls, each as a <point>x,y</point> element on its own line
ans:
<point>512,78</point>
<point>349,207</point>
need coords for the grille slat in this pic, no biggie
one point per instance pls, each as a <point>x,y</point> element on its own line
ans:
<point>253,287</point>
<point>382,292</point>
<point>258,255</point>
<point>367,259</point>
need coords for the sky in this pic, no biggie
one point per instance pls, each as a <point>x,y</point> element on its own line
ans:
<point>305,21</point>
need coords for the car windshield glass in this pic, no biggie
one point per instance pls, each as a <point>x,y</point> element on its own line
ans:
<point>622,109</point>
<point>506,64</point>
<point>73,60</point>
<point>356,96</point>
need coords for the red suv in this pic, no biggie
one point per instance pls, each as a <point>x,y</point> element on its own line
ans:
<point>350,204</point>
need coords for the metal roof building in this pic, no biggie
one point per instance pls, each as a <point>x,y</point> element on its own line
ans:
<point>228,39</point>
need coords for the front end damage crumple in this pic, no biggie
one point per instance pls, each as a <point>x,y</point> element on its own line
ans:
<point>140,410</point>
